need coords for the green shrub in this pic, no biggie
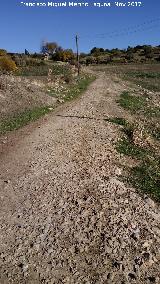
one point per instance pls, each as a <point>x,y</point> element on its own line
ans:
<point>117,120</point>
<point>126,147</point>
<point>146,176</point>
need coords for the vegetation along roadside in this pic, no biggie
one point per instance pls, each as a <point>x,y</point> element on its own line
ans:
<point>140,142</point>
<point>62,94</point>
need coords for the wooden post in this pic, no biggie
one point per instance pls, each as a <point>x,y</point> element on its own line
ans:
<point>78,65</point>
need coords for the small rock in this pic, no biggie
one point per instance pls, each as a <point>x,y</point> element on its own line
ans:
<point>118,172</point>
<point>152,279</point>
<point>25,267</point>
<point>50,250</point>
<point>116,264</point>
<point>132,276</point>
<point>138,261</point>
<point>146,256</point>
<point>7,181</point>
<point>135,234</point>
<point>146,245</point>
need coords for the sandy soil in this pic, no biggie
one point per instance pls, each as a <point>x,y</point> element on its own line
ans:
<point>65,216</point>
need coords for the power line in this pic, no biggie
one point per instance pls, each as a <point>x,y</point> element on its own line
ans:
<point>122,34</point>
<point>124,30</point>
<point>94,41</point>
<point>131,32</point>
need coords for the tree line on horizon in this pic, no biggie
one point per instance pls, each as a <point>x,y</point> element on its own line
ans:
<point>51,51</point>
<point>139,53</point>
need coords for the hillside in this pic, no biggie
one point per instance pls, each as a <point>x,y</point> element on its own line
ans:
<point>19,94</point>
<point>34,88</point>
<point>138,54</point>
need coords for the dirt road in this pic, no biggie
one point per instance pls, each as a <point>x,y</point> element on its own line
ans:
<point>65,217</point>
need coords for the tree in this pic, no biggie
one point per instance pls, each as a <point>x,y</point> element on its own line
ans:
<point>130,49</point>
<point>83,55</point>
<point>115,52</point>
<point>66,55</point>
<point>90,60</point>
<point>49,47</point>
<point>130,56</point>
<point>158,58</point>
<point>104,59</point>
<point>95,51</point>
<point>59,49</point>
<point>148,51</point>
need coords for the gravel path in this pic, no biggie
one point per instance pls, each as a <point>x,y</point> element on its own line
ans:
<point>64,215</point>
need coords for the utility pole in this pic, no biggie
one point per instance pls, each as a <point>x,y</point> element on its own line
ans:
<point>78,65</point>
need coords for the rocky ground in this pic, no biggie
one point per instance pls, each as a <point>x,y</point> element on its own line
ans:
<point>65,216</point>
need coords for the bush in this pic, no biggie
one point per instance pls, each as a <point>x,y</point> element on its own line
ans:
<point>38,56</point>
<point>24,60</point>
<point>3,52</point>
<point>19,60</point>
<point>68,78</point>
<point>82,60</point>
<point>34,62</point>
<point>64,55</point>
<point>44,69</point>
<point>90,60</point>
<point>104,59</point>
<point>7,64</point>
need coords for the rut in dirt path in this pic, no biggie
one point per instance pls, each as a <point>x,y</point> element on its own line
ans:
<point>65,216</point>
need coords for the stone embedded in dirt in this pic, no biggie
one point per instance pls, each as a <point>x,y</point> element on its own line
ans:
<point>20,265</point>
<point>60,101</point>
<point>132,276</point>
<point>152,279</point>
<point>118,172</point>
<point>146,256</point>
<point>138,261</point>
<point>146,245</point>
<point>116,264</point>
<point>135,234</point>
